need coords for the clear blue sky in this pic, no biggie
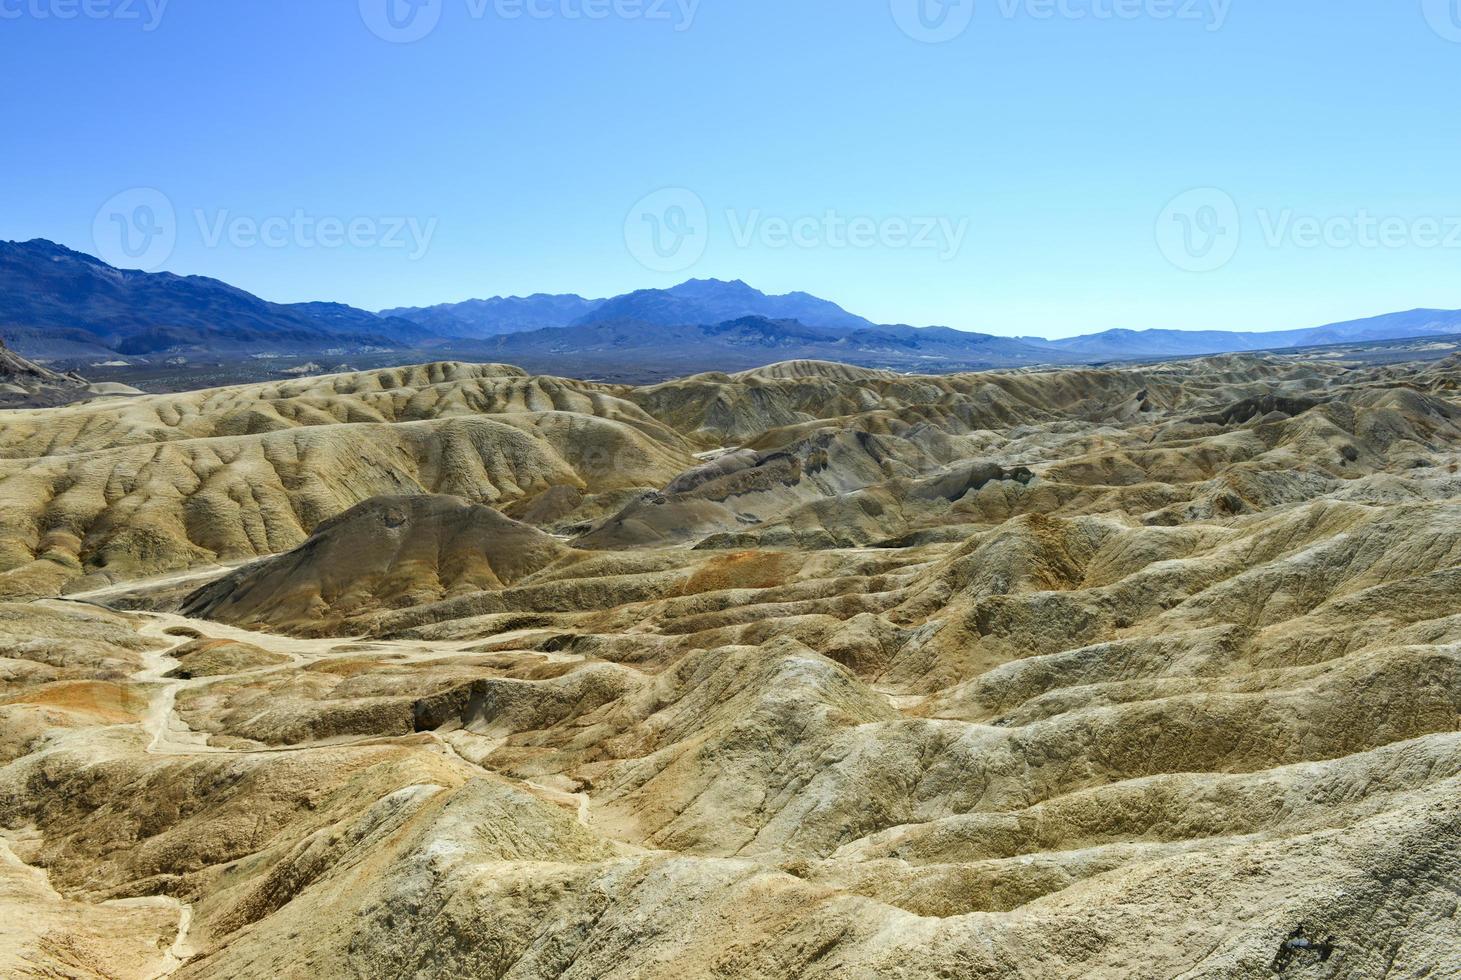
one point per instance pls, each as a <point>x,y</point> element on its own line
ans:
<point>527,141</point>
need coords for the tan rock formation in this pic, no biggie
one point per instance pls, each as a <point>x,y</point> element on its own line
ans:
<point>1118,673</point>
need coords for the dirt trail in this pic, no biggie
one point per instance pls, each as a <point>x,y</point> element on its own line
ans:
<point>169,735</point>
<point>579,800</point>
<point>177,954</point>
<point>201,576</point>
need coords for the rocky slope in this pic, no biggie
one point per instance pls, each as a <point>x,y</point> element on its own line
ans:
<point>811,671</point>
<point>26,384</point>
<point>389,551</point>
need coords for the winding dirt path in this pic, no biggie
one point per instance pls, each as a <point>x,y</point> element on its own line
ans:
<point>168,735</point>
<point>179,952</point>
<point>176,955</point>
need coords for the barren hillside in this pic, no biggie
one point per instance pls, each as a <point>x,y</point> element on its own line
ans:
<point>809,671</point>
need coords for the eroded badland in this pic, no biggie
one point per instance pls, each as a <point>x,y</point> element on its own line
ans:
<point>814,671</point>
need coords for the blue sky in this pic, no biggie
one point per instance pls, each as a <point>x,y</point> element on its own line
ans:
<point>1030,174</point>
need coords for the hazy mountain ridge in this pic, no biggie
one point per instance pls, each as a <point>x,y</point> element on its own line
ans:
<point>701,301</point>
<point>624,345</point>
<point>482,318</point>
<point>695,302</point>
<point>1156,343</point>
<point>58,303</point>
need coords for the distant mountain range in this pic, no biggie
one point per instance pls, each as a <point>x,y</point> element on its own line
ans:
<point>709,301</point>
<point>57,304</point>
<point>622,349</point>
<point>699,301</point>
<point>1117,344</point>
<point>481,318</point>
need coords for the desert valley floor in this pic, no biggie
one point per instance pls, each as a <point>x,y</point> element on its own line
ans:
<point>813,671</point>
